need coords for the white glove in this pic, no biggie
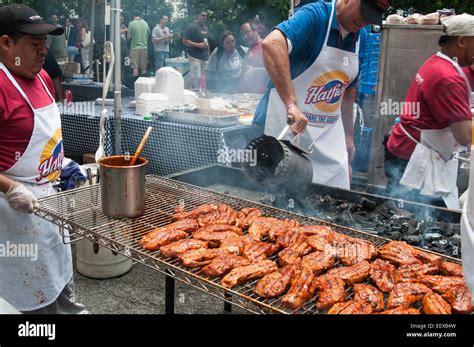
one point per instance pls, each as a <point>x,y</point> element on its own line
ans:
<point>21,198</point>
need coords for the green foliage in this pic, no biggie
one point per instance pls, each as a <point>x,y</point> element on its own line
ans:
<point>423,6</point>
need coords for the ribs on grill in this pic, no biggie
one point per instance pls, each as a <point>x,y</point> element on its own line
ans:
<point>223,263</point>
<point>257,251</point>
<point>398,253</point>
<point>291,237</point>
<point>200,257</point>
<point>434,304</point>
<point>246,273</point>
<point>383,274</point>
<point>451,269</point>
<point>216,233</point>
<point>276,283</point>
<point>401,310</point>
<point>180,213</point>
<point>293,254</point>
<point>406,294</point>
<point>223,215</point>
<point>318,262</point>
<point>262,225</point>
<point>280,228</point>
<point>247,216</point>
<point>331,291</point>
<point>177,248</point>
<point>351,307</point>
<point>441,281</point>
<point>459,298</point>
<point>302,289</point>
<point>168,234</point>
<point>369,295</point>
<point>356,251</point>
<point>352,274</point>
<point>412,272</point>
<point>236,244</point>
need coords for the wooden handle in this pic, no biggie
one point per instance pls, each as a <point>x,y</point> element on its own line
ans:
<point>140,147</point>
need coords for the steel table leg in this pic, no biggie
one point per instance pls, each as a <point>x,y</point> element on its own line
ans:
<point>227,304</point>
<point>169,294</point>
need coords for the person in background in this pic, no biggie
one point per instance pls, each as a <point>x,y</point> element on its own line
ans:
<point>123,45</point>
<point>57,44</point>
<point>54,71</point>
<point>71,34</point>
<point>31,159</point>
<point>313,61</point>
<point>85,40</point>
<point>161,37</point>
<point>254,77</point>
<point>195,38</point>
<point>224,66</point>
<point>138,33</point>
<point>437,119</point>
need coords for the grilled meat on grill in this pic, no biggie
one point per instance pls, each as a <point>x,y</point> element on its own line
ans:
<point>215,234</point>
<point>293,254</point>
<point>331,291</point>
<point>200,257</point>
<point>356,251</point>
<point>352,274</point>
<point>351,307</point>
<point>401,310</point>
<point>317,230</point>
<point>383,274</point>
<point>290,237</point>
<point>167,234</point>
<point>318,262</point>
<point>301,290</point>
<point>262,225</point>
<point>370,295</point>
<point>398,253</point>
<point>434,304</point>
<point>246,273</point>
<point>280,228</point>
<point>451,269</point>
<point>223,263</point>
<point>412,272</point>
<point>441,281</point>
<point>194,214</point>
<point>236,244</point>
<point>427,258</point>
<point>223,215</point>
<point>406,294</point>
<point>247,216</point>
<point>459,298</point>
<point>321,243</point>
<point>276,283</point>
<point>256,251</point>
<point>177,248</point>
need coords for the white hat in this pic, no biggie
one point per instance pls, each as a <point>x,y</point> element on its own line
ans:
<point>460,25</point>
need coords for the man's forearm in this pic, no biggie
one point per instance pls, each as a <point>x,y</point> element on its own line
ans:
<point>277,64</point>
<point>5,183</point>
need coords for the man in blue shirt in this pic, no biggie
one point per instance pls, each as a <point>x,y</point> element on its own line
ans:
<point>313,61</point>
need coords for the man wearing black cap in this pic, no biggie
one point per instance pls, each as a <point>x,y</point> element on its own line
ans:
<point>37,277</point>
<point>313,61</point>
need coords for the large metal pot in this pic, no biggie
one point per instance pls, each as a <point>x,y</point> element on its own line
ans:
<point>122,187</point>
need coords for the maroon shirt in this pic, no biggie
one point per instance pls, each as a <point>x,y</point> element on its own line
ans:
<point>443,99</point>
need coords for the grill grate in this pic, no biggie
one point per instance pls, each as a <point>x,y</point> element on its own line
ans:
<point>79,213</point>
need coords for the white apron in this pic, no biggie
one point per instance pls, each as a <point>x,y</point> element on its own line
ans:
<point>34,276</point>
<point>467,239</point>
<point>319,91</point>
<point>432,168</point>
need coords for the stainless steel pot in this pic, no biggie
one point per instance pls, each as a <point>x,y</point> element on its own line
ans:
<point>122,187</point>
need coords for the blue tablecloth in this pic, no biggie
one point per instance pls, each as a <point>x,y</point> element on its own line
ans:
<point>172,147</point>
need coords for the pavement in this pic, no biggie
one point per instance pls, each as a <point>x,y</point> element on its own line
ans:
<point>142,291</point>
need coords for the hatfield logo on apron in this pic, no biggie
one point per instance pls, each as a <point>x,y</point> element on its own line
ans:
<point>51,158</point>
<point>326,95</point>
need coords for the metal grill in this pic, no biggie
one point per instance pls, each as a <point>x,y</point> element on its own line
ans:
<point>79,215</point>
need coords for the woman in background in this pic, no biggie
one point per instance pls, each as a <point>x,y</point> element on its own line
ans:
<point>85,41</point>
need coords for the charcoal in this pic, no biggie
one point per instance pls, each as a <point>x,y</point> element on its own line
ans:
<point>412,239</point>
<point>443,243</point>
<point>429,237</point>
<point>369,205</point>
<point>395,235</point>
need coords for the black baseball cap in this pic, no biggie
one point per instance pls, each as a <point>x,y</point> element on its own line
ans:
<point>372,10</point>
<point>17,17</point>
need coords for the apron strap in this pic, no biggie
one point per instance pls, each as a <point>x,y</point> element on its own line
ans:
<point>330,23</point>
<point>45,87</point>
<point>16,85</point>
<point>458,68</point>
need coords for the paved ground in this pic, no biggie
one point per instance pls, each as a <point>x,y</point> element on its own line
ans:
<point>142,291</point>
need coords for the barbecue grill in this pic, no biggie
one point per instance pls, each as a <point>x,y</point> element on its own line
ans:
<point>79,215</point>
